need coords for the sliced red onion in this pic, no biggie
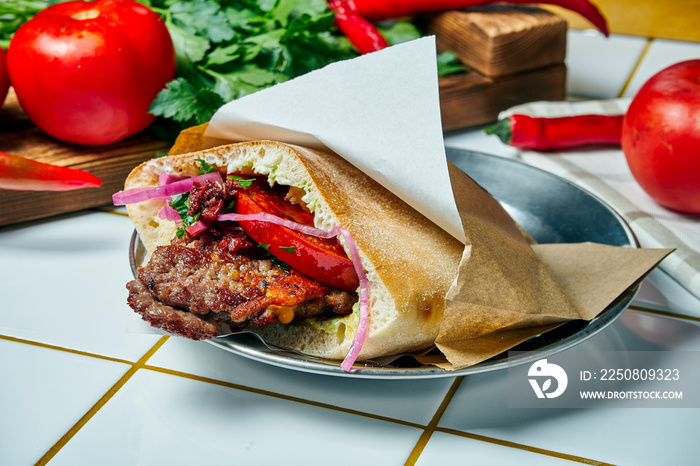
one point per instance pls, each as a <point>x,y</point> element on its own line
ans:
<point>196,228</point>
<point>278,221</point>
<point>133,193</point>
<point>169,213</point>
<point>131,196</point>
<point>361,331</point>
<point>166,178</point>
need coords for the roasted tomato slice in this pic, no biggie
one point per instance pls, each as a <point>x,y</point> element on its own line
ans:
<point>321,259</point>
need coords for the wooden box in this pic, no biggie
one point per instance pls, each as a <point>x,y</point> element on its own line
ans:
<point>514,55</point>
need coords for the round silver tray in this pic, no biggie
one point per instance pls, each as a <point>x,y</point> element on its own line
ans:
<point>549,208</point>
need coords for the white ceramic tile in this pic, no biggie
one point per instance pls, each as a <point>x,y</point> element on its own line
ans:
<point>661,54</point>
<point>408,400</point>
<point>598,67</point>
<point>43,393</point>
<point>639,436</point>
<point>163,419</point>
<point>443,448</point>
<point>63,283</point>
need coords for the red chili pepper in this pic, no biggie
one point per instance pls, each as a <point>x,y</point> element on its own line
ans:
<point>360,32</point>
<point>378,10</point>
<point>526,132</point>
<point>21,174</point>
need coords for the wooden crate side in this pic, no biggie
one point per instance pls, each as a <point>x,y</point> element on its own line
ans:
<point>472,99</point>
<point>498,40</point>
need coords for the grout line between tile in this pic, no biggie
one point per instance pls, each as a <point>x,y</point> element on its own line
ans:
<point>60,348</point>
<point>649,310</point>
<point>105,210</point>
<point>100,403</point>
<point>635,68</point>
<point>432,425</point>
<point>413,457</point>
<point>519,446</point>
<point>427,430</point>
<point>295,399</point>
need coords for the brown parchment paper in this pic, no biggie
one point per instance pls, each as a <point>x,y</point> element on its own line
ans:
<point>508,290</point>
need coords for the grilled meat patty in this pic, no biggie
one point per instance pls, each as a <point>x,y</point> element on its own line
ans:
<point>195,285</point>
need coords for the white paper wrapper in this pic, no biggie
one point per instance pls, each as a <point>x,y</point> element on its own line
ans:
<point>380,111</point>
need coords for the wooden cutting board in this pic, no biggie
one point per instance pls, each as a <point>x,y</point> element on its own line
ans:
<point>515,55</point>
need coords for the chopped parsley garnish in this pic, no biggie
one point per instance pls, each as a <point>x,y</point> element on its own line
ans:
<point>281,264</point>
<point>231,204</point>
<point>244,182</point>
<point>181,203</point>
<point>204,167</point>
<point>289,249</point>
<point>263,246</point>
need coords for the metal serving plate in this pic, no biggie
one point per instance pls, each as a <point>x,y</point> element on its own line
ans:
<point>549,208</point>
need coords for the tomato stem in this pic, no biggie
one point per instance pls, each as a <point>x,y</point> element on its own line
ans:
<point>85,15</point>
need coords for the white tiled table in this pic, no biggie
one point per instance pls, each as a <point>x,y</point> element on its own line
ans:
<point>77,389</point>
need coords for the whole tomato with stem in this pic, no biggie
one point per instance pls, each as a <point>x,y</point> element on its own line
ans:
<point>661,137</point>
<point>86,72</point>
<point>4,77</point>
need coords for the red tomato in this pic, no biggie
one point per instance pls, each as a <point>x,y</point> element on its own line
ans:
<point>321,259</point>
<point>86,72</point>
<point>661,137</point>
<point>4,78</point>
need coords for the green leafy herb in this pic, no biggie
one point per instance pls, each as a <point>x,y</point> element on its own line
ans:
<point>449,64</point>
<point>404,31</point>
<point>230,205</point>
<point>273,259</point>
<point>227,49</point>
<point>399,32</point>
<point>14,13</point>
<point>181,203</point>
<point>204,167</point>
<point>281,264</point>
<point>245,183</point>
<point>289,249</point>
<point>182,102</point>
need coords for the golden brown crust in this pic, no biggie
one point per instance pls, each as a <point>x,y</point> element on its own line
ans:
<point>410,262</point>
